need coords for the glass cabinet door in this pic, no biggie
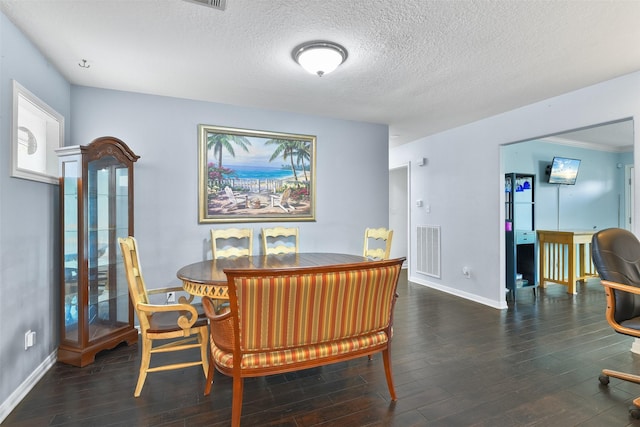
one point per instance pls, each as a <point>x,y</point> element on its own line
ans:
<point>71,170</point>
<point>108,208</point>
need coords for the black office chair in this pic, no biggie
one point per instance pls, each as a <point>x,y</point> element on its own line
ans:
<point>616,256</point>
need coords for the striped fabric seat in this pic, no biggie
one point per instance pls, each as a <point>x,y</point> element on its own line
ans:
<point>300,354</point>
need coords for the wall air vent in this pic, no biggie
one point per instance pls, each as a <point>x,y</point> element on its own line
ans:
<point>215,4</point>
<point>428,239</point>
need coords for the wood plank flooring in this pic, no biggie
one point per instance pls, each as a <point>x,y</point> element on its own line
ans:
<point>455,363</point>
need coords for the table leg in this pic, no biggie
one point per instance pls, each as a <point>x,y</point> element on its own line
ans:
<point>571,288</point>
<point>543,262</point>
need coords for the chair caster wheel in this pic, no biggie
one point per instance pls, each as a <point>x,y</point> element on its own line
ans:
<point>634,412</point>
<point>604,379</point>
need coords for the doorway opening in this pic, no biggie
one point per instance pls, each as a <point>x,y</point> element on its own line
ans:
<point>602,196</point>
<point>399,218</point>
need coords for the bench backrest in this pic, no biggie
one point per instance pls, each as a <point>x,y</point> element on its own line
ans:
<point>278,309</point>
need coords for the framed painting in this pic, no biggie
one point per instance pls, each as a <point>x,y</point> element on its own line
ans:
<point>36,131</point>
<point>255,176</point>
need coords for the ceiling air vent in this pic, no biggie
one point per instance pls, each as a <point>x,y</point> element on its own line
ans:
<point>215,4</point>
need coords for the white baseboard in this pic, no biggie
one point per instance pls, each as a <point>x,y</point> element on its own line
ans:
<point>23,389</point>
<point>458,293</point>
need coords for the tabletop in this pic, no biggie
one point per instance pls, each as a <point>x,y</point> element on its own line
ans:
<point>207,278</point>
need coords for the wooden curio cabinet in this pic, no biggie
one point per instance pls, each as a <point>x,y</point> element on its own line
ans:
<point>96,203</point>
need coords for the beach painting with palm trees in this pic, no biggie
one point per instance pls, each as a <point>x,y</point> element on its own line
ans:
<point>255,176</point>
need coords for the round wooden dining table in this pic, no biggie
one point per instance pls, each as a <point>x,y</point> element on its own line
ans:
<point>207,278</point>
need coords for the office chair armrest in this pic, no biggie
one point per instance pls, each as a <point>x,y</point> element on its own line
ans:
<point>620,287</point>
<point>183,321</point>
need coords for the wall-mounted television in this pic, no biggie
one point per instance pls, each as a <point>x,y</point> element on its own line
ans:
<point>563,171</point>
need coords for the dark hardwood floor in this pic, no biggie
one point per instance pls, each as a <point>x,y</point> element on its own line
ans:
<point>455,363</point>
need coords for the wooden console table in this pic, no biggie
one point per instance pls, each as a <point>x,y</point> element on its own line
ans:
<point>560,262</point>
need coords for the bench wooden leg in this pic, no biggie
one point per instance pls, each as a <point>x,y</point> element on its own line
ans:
<point>236,404</point>
<point>386,357</point>
<point>210,373</point>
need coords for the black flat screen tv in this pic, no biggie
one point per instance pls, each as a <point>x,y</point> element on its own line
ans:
<point>563,171</point>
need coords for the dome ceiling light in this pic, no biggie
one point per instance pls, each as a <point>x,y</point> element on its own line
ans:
<point>319,57</point>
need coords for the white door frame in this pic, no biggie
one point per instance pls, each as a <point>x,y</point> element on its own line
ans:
<point>629,199</point>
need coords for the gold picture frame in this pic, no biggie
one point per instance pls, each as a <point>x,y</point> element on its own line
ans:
<point>255,176</point>
<point>37,130</point>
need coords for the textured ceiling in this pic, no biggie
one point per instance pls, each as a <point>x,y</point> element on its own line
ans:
<point>420,66</point>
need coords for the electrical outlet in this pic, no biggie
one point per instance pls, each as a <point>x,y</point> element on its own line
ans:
<point>171,297</point>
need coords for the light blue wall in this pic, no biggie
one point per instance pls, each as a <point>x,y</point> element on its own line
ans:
<point>596,201</point>
<point>352,173</point>
<point>28,225</point>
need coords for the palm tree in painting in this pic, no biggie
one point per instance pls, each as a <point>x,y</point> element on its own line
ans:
<point>287,149</point>
<point>303,157</point>
<point>220,141</point>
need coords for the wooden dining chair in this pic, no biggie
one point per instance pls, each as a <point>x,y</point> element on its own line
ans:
<point>377,243</point>
<point>177,326</point>
<point>231,242</point>
<point>280,240</point>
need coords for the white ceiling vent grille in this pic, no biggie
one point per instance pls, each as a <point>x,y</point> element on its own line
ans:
<point>215,4</point>
<point>428,250</point>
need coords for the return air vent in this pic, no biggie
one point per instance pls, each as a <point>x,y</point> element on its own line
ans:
<point>215,4</point>
<point>428,237</point>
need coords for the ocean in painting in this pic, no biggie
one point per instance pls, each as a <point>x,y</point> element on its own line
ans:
<point>261,172</point>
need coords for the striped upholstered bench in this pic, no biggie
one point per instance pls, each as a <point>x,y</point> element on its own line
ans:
<point>286,320</point>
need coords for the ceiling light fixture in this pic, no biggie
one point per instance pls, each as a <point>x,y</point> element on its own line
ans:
<point>319,57</point>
